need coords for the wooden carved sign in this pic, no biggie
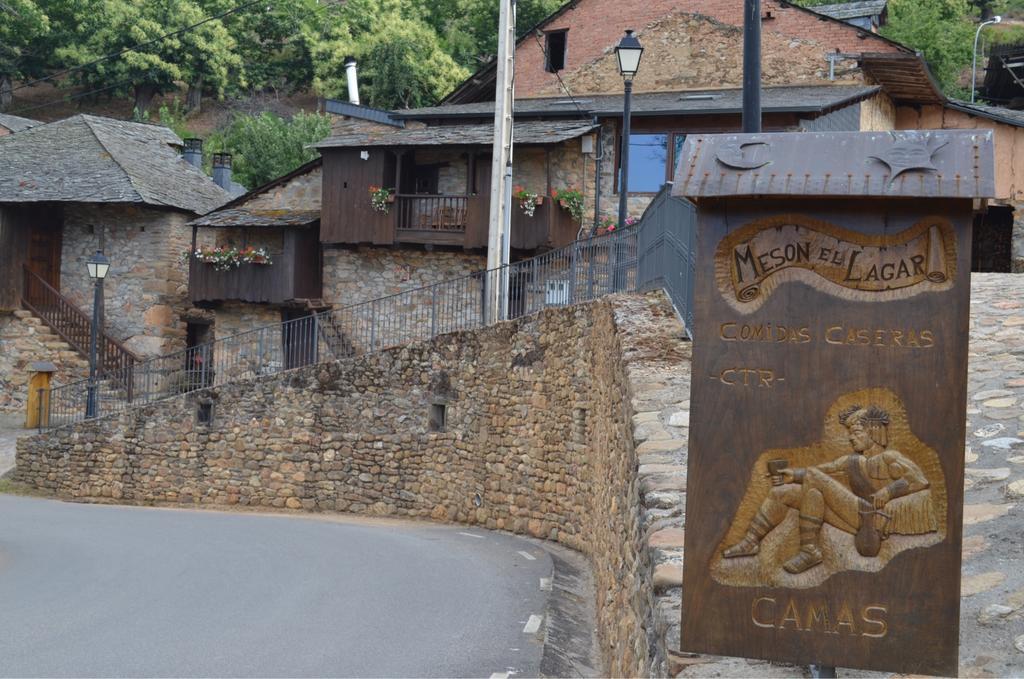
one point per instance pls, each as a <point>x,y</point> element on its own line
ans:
<point>828,414</point>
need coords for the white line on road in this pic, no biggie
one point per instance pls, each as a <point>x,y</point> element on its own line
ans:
<point>499,675</point>
<point>470,535</point>
<point>533,624</point>
<point>545,584</point>
<point>527,555</point>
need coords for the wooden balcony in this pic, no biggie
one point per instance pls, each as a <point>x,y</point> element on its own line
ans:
<point>439,219</point>
<point>294,274</point>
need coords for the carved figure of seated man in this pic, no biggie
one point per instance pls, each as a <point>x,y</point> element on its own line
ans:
<point>871,493</point>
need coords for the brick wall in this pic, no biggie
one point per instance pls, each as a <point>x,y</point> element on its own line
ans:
<point>691,51</point>
<point>596,25</point>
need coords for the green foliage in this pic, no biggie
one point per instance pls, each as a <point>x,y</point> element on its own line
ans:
<point>941,30</point>
<point>205,54</point>
<point>266,146</point>
<point>23,25</point>
<point>404,65</point>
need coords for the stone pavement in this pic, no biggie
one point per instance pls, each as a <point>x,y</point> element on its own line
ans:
<point>992,588</point>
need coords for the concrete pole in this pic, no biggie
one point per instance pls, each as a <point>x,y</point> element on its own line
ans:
<point>501,163</point>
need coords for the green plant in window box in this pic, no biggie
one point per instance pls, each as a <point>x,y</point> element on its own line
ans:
<point>380,197</point>
<point>571,199</point>
<point>528,200</point>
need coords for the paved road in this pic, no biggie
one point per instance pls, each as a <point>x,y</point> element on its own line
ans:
<point>89,590</point>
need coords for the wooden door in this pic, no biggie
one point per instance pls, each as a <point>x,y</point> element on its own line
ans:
<point>44,244</point>
<point>478,209</point>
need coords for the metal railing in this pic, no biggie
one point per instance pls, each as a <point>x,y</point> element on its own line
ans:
<point>72,324</point>
<point>582,271</point>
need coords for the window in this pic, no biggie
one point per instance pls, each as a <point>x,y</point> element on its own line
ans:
<point>652,159</point>
<point>555,44</point>
<point>438,417</point>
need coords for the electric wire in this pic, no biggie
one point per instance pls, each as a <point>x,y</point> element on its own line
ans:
<point>133,48</point>
<point>579,109</point>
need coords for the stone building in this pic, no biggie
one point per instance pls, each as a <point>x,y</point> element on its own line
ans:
<point>68,189</point>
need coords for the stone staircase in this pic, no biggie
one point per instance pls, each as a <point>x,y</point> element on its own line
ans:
<point>25,339</point>
<point>63,353</point>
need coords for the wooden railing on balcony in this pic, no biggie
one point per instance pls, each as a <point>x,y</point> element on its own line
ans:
<point>444,214</point>
<point>74,327</point>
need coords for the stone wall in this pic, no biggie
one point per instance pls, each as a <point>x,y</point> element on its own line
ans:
<point>537,439</point>
<point>363,273</point>
<point>696,51</point>
<point>302,192</point>
<point>597,25</point>
<point>24,340</point>
<point>146,288</point>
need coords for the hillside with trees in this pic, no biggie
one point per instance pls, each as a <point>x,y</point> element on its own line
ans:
<point>238,71</point>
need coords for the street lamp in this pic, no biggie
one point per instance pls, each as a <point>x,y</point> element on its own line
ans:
<point>628,52</point>
<point>974,61</point>
<point>98,266</point>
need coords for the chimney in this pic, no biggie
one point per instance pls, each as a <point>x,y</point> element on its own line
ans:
<point>222,170</point>
<point>193,152</point>
<point>353,81</point>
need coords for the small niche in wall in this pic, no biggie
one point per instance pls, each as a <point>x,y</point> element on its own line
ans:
<point>438,416</point>
<point>204,413</point>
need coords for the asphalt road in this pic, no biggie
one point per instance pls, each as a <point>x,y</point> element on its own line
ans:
<point>88,590</point>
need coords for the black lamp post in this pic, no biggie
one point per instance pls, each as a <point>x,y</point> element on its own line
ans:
<point>628,52</point>
<point>98,267</point>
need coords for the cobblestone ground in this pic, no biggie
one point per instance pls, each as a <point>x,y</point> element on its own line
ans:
<point>992,586</point>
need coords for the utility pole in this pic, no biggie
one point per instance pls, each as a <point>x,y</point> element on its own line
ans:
<point>498,238</point>
<point>751,65</point>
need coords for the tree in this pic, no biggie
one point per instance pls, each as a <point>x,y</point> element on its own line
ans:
<point>23,25</point>
<point>266,146</point>
<point>470,27</point>
<point>275,42</point>
<point>941,30</point>
<point>404,65</point>
<point>205,54</point>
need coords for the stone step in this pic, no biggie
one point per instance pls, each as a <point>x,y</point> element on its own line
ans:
<point>23,314</point>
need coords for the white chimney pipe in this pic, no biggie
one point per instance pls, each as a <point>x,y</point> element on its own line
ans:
<point>353,81</point>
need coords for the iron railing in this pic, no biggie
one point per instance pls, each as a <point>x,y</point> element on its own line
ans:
<point>582,271</point>
<point>72,324</point>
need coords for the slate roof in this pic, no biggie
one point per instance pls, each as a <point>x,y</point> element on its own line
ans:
<point>1008,116</point>
<point>851,10</point>
<point>252,217</point>
<point>88,159</point>
<point>532,132</point>
<point>799,99</point>
<point>17,123</point>
<point>235,213</point>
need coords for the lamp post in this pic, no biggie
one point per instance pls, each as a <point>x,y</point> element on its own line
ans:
<point>628,52</point>
<point>974,60</point>
<point>98,266</point>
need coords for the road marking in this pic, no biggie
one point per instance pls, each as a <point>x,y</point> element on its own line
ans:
<point>545,584</point>
<point>533,624</point>
<point>470,535</point>
<point>527,555</point>
<point>499,675</point>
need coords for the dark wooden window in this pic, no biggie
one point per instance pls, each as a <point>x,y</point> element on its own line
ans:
<point>556,44</point>
<point>438,416</point>
<point>204,413</point>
